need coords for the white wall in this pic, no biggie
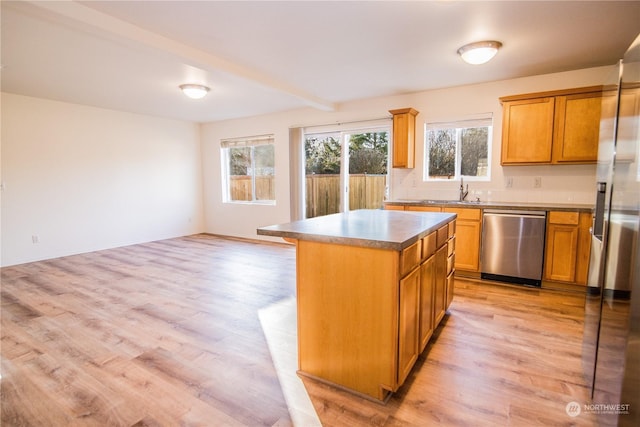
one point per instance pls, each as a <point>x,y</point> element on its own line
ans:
<point>82,179</point>
<point>560,184</point>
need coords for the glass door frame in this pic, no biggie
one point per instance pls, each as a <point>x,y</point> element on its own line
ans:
<point>344,135</point>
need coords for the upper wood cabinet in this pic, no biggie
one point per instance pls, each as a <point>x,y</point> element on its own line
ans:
<point>577,128</point>
<point>558,127</point>
<point>404,137</point>
<point>527,131</point>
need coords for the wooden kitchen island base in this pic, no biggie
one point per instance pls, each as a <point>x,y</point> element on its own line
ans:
<point>367,310</point>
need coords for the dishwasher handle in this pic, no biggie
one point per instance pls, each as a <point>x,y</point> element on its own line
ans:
<point>512,212</point>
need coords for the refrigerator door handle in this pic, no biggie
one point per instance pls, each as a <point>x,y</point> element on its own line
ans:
<point>598,220</point>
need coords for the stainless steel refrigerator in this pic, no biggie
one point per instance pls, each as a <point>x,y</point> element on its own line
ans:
<point>611,345</point>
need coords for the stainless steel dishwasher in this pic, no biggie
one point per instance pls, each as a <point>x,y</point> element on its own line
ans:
<point>513,246</point>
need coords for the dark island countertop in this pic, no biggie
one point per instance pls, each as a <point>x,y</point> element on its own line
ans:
<point>494,205</point>
<point>383,229</point>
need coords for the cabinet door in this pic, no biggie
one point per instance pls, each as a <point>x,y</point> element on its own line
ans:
<point>467,238</point>
<point>427,280</point>
<point>404,124</point>
<point>577,127</point>
<point>408,324</point>
<point>440,286</point>
<point>584,248</point>
<point>450,284</point>
<point>468,245</point>
<point>561,252</point>
<point>527,131</point>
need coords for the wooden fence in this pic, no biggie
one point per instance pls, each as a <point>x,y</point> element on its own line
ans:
<point>241,188</point>
<point>322,191</point>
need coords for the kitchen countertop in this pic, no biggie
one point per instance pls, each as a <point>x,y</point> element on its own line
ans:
<point>572,207</point>
<point>383,229</point>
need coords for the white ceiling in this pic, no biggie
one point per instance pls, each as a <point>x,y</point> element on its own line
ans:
<point>266,56</point>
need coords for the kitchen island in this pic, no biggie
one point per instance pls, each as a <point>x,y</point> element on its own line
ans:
<point>372,285</point>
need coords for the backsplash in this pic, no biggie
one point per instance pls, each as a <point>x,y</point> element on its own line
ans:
<point>571,186</point>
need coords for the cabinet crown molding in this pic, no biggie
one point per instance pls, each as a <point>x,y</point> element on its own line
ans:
<point>550,93</point>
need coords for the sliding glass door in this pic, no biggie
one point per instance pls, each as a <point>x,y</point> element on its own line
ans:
<point>345,170</point>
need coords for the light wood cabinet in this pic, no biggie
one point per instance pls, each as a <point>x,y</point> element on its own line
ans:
<point>527,131</point>
<point>404,137</point>
<point>440,285</point>
<point>556,127</point>
<point>423,208</point>
<point>468,232</point>
<point>577,128</point>
<point>409,313</point>
<point>365,313</point>
<point>427,280</point>
<point>391,207</point>
<point>567,247</point>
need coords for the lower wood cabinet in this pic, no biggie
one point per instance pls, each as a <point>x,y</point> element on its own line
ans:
<point>440,285</point>
<point>468,234</point>
<point>365,314</point>
<point>427,281</point>
<point>409,326</point>
<point>568,244</point>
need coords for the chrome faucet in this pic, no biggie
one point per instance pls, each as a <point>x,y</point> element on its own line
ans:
<point>463,192</point>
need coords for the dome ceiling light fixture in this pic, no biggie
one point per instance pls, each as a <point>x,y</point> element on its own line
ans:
<point>479,52</point>
<point>194,91</point>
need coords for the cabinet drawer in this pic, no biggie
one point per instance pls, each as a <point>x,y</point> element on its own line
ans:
<point>410,258</point>
<point>450,263</point>
<point>423,208</point>
<point>452,228</point>
<point>466,213</point>
<point>451,246</point>
<point>429,245</point>
<point>568,218</point>
<point>394,207</point>
<point>442,236</point>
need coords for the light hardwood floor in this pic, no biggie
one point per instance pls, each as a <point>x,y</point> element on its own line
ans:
<point>200,331</point>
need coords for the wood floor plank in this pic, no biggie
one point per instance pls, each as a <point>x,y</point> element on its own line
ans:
<point>168,333</point>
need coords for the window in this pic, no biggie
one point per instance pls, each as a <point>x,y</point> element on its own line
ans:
<point>458,149</point>
<point>248,170</point>
<point>345,169</point>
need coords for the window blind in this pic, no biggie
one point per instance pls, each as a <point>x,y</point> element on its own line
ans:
<point>247,141</point>
<point>482,120</point>
<point>349,127</point>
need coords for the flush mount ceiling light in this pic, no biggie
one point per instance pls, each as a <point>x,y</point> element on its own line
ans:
<point>479,52</point>
<point>194,91</point>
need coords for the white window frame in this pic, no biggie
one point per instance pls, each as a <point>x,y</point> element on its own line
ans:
<point>252,142</point>
<point>481,121</point>
<point>343,132</point>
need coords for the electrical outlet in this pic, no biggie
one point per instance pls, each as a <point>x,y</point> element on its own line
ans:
<point>509,182</point>
<point>537,182</point>
<point>35,239</point>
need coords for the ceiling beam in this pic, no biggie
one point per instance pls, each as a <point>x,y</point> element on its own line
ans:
<point>114,26</point>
